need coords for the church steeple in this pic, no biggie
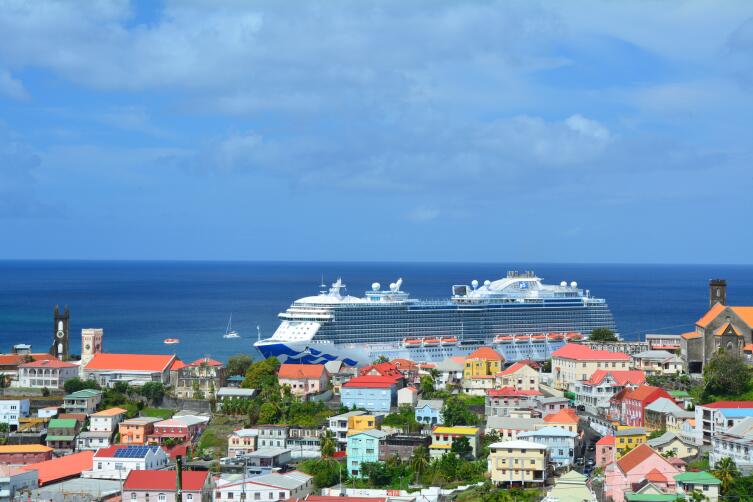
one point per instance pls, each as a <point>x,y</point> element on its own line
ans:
<point>60,334</point>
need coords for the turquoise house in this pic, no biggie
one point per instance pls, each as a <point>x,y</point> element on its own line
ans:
<point>363,447</point>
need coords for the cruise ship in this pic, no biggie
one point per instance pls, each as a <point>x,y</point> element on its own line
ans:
<point>519,315</point>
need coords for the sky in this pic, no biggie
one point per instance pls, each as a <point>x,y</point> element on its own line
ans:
<point>362,130</point>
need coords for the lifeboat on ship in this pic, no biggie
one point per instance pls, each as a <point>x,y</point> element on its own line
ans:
<point>574,336</point>
<point>538,338</point>
<point>448,340</point>
<point>555,337</point>
<point>171,341</point>
<point>522,338</point>
<point>431,342</point>
<point>503,339</point>
<point>412,342</point>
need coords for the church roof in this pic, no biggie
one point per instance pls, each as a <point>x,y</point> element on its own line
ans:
<point>724,328</point>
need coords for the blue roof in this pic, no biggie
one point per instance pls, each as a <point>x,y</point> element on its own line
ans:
<point>737,412</point>
<point>549,431</point>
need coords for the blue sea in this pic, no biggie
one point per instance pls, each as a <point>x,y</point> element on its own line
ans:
<point>141,303</point>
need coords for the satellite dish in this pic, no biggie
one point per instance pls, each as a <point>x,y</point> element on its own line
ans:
<point>573,284</point>
<point>487,283</point>
<point>375,286</point>
<point>474,283</point>
<point>393,286</point>
<point>563,284</point>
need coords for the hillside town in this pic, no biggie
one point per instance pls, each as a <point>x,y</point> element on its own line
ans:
<point>666,418</point>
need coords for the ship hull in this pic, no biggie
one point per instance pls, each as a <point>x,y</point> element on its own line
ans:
<point>361,354</point>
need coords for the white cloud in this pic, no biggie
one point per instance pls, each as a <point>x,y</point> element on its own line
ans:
<point>423,214</point>
<point>11,87</point>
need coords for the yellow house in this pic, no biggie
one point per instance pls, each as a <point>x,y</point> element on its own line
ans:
<point>480,370</point>
<point>517,462</point>
<point>520,376</point>
<point>627,438</point>
<point>442,438</point>
<point>362,423</point>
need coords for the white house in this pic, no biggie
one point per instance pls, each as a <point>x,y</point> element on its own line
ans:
<point>713,418</point>
<point>106,420</point>
<point>272,487</point>
<point>338,426</point>
<point>46,373</point>
<point>595,392</point>
<point>13,409</point>
<point>115,462</point>
<point>736,443</point>
<point>407,396</point>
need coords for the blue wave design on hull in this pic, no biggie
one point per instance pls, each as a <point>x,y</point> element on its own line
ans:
<point>309,356</point>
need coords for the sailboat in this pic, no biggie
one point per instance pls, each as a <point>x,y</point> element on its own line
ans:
<point>229,331</point>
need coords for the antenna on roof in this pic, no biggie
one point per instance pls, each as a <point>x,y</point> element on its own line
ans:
<point>322,286</point>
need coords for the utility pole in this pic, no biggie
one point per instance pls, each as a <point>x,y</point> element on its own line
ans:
<point>179,479</point>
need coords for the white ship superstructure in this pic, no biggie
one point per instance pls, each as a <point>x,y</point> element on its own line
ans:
<point>518,314</point>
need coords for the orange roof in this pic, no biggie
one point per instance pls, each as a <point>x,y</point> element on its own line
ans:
<point>621,377</point>
<point>634,457</point>
<point>16,359</point>
<point>564,416</point>
<point>744,313</point>
<point>177,364</point>
<point>130,362</point>
<point>515,367</point>
<point>655,476</point>
<point>47,363</point>
<point>606,441</point>
<point>748,348</point>
<point>580,352</point>
<point>62,467</point>
<point>110,412</point>
<point>404,364</point>
<point>486,353</point>
<point>710,315</point>
<point>647,394</point>
<point>301,371</point>
<point>207,361</point>
<point>24,448</point>
<point>690,335</point>
<point>384,369</point>
<point>722,329</point>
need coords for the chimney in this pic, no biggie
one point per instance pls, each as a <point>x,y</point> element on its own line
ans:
<point>717,292</point>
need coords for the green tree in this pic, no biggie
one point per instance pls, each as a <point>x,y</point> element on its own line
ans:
<point>726,471</point>
<point>427,387</point>
<point>381,359</point>
<point>153,391</point>
<point>197,392</point>
<point>455,412</point>
<point>76,384</point>
<point>268,413</point>
<point>404,418</point>
<point>419,462</point>
<point>327,444</point>
<point>669,454</point>
<point>602,335</point>
<point>725,374</point>
<point>656,433</point>
<point>262,375</point>
<point>461,447</point>
<point>238,364</point>
<point>326,471</point>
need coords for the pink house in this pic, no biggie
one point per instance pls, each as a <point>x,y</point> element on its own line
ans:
<point>303,379</point>
<point>634,403</point>
<point>605,448</point>
<point>635,470</point>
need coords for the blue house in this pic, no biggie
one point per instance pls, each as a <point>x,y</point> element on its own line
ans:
<point>560,443</point>
<point>429,411</point>
<point>363,447</point>
<point>369,392</point>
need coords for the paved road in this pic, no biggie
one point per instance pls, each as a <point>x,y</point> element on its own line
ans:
<point>589,436</point>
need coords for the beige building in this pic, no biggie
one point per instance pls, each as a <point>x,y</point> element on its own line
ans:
<point>303,379</point>
<point>657,362</point>
<point>200,379</point>
<point>575,362</point>
<point>518,462</point>
<point>241,442</point>
<point>520,376</point>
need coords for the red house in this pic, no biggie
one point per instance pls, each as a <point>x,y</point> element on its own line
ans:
<point>634,403</point>
<point>385,370</point>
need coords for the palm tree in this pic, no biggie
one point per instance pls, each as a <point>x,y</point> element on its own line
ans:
<point>327,444</point>
<point>726,471</point>
<point>419,461</point>
<point>669,454</point>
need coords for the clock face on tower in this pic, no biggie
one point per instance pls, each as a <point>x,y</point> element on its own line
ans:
<point>88,346</point>
<point>60,334</point>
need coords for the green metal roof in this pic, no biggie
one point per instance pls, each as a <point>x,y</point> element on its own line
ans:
<point>60,438</point>
<point>697,478</point>
<point>652,497</point>
<point>678,393</point>
<point>62,423</point>
<point>84,393</point>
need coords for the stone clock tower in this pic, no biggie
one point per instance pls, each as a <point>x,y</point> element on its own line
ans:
<point>60,337</point>
<point>91,344</point>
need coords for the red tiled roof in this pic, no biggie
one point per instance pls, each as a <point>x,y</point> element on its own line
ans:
<point>634,457</point>
<point>371,381</point>
<point>512,391</point>
<point>606,441</point>
<point>208,361</point>
<point>62,467</point>
<point>486,353</point>
<point>109,451</point>
<point>655,476</point>
<point>301,371</point>
<point>16,359</point>
<point>583,353</point>
<point>729,404</point>
<point>710,315</point>
<point>515,367</point>
<point>193,481</point>
<point>384,369</point>
<point>621,377</point>
<point>403,364</point>
<point>744,313</point>
<point>564,416</point>
<point>647,394</point>
<point>48,363</point>
<point>130,362</point>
